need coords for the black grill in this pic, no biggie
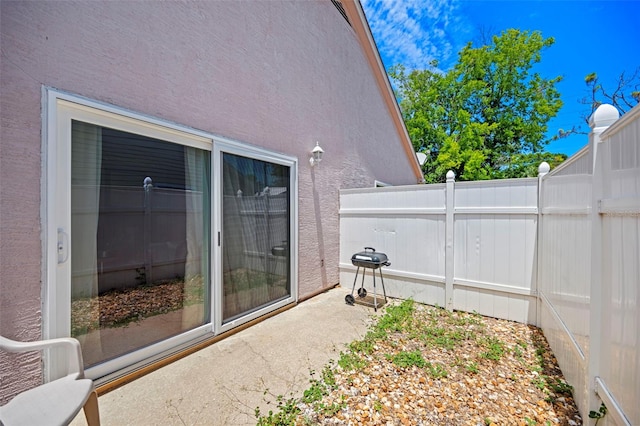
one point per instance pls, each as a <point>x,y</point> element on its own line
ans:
<point>368,259</point>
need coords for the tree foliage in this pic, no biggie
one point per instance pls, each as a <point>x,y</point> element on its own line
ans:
<point>487,112</point>
<point>624,95</point>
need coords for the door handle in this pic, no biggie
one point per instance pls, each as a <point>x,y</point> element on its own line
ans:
<point>63,246</point>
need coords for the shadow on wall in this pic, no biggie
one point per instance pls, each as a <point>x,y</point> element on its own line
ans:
<point>319,230</point>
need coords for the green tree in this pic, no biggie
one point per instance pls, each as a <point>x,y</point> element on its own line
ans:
<point>526,164</point>
<point>480,117</point>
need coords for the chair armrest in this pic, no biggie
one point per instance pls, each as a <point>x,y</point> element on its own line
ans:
<point>71,345</point>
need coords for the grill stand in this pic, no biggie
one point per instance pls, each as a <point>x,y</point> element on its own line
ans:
<point>362,293</point>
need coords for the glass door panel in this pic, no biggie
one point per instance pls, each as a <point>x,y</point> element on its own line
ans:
<point>140,246</point>
<point>256,234</point>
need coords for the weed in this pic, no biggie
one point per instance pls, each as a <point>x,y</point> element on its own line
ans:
<point>539,382</point>
<point>364,346</point>
<point>602,411</point>
<point>141,276</point>
<point>447,341</point>
<point>408,359</point>
<point>517,352</point>
<point>444,338</point>
<point>331,409</point>
<point>395,318</point>
<point>350,361</point>
<point>287,411</point>
<point>559,386</point>
<point>328,377</point>
<point>495,349</point>
<point>472,368</point>
<point>436,371</point>
<point>314,393</point>
<point>463,319</point>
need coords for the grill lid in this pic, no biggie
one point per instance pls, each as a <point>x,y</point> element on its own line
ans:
<point>370,258</point>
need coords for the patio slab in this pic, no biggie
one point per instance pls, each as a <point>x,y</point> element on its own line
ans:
<point>222,384</point>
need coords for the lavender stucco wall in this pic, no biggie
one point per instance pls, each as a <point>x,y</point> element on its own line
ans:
<point>277,74</point>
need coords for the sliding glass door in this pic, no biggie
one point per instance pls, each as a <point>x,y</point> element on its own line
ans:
<point>140,216</point>
<point>158,235</point>
<point>256,235</point>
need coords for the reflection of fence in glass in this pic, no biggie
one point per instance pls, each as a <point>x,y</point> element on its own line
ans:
<point>142,235</point>
<point>256,251</point>
<point>150,249</point>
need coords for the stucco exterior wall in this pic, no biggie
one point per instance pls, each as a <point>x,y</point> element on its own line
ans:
<point>276,74</point>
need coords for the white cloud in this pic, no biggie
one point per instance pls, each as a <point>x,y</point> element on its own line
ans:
<point>414,32</point>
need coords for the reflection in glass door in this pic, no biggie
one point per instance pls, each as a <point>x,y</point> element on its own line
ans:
<point>140,250</point>
<point>256,234</point>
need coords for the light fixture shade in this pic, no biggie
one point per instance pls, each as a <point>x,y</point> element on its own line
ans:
<point>316,154</point>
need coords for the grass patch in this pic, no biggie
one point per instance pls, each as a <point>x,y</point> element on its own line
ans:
<point>350,361</point>
<point>494,348</point>
<point>396,319</point>
<point>408,359</point>
<point>413,347</point>
<point>437,371</point>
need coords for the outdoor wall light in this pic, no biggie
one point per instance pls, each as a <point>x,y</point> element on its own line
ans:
<point>422,158</point>
<point>316,155</point>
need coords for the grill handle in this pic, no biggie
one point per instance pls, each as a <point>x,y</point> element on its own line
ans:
<point>369,248</point>
<point>386,264</point>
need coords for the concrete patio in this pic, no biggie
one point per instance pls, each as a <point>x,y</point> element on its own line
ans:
<point>224,383</point>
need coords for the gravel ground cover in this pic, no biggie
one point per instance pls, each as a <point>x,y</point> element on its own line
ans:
<point>118,308</point>
<point>422,365</point>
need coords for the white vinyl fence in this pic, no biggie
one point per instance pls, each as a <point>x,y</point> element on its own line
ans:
<point>561,252</point>
<point>467,246</point>
<point>589,273</point>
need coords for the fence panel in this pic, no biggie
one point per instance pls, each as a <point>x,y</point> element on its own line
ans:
<point>619,207</point>
<point>408,224</point>
<point>564,280</point>
<point>495,227</point>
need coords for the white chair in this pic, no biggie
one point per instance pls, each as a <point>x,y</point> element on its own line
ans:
<point>57,402</point>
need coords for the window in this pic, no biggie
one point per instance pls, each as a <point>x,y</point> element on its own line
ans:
<point>133,270</point>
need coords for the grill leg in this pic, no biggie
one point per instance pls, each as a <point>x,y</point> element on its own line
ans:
<point>375,296</point>
<point>383,290</point>
<point>354,280</point>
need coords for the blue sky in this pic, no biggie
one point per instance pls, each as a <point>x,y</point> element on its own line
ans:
<point>590,36</point>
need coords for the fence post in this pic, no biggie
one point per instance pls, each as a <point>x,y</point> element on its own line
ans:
<point>543,170</point>
<point>449,253</point>
<point>599,121</point>
<point>148,229</point>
